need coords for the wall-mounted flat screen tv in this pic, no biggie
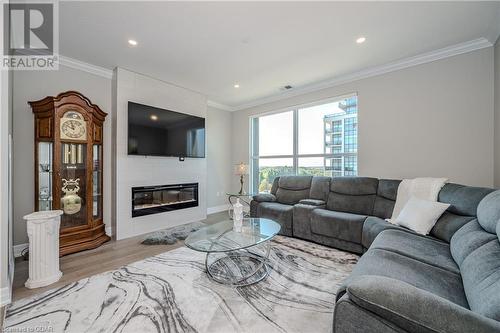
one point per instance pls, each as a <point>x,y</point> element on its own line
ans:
<point>159,132</point>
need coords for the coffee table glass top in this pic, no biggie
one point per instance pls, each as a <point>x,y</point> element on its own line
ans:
<point>220,237</point>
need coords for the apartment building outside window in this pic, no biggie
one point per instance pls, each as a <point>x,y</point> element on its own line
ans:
<point>344,142</point>
<point>319,140</point>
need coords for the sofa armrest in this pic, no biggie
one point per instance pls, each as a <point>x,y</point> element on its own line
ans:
<point>414,309</point>
<point>312,202</point>
<point>264,197</point>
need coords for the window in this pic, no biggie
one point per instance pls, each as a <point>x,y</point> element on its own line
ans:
<point>314,140</point>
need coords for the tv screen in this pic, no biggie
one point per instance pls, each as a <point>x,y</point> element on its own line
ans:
<point>159,132</point>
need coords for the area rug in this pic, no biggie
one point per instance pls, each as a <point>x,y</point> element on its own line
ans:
<point>171,292</point>
<point>172,235</point>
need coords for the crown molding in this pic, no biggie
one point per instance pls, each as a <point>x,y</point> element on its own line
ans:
<point>85,67</point>
<point>221,106</point>
<point>420,59</point>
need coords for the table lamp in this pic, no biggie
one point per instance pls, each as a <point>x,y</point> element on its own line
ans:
<point>241,170</point>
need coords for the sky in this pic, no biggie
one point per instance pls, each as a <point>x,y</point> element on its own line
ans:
<point>276,135</point>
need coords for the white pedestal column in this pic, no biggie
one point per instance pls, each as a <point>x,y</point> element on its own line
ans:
<point>43,234</point>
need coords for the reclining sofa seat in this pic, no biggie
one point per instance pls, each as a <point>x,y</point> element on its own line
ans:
<point>448,281</point>
<point>339,222</point>
<point>351,203</point>
<point>287,191</point>
<point>463,202</point>
<point>349,212</point>
<point>412,283</point>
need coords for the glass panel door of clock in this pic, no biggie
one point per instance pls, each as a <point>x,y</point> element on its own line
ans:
<point>45,176</point>
<point>96,182</point>
<point>73,184</point>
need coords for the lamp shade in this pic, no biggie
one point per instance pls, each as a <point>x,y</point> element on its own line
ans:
<point>241,169</point>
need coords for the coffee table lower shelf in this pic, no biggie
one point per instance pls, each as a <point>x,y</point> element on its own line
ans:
<point>240,267</point>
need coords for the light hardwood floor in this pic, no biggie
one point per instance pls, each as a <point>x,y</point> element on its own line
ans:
<point>109,256</point>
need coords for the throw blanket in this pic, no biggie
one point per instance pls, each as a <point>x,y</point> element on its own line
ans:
<point>422,188</point>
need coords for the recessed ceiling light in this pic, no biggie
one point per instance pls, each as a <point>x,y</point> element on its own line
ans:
<point>132,42</point>
<point>236,85</point>
<point>361,40</point>
<point>153,117</point>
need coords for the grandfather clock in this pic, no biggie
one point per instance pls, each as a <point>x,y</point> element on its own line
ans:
<point>68,167</point>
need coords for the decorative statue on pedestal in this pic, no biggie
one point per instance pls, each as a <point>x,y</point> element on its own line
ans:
<point>237,216</point>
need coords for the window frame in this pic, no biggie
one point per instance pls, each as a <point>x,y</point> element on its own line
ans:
<point>295,156</point>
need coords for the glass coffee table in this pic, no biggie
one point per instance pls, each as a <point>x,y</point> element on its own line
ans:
<point>235,258</point>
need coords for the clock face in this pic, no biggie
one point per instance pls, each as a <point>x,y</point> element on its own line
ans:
<point>73,127</point>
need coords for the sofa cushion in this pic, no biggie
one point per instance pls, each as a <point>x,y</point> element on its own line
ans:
<point>264,197</point>
<point>339,225</point>
<point>292,189</point>
<point>354,185</point>
<point>439,281</point>
<point>320,187</point>
<point>477,253</point>
<point>383,207</point>
<point>312,202</point>
<point>414,309</point>
<point>421,248</point>
<point>281,213</point>
<point>295,182</point>
<point>481,278</point>
<point>448,224</point>
<point>351,318</point>
<point>463,199</point>
<point>468,239</point>
<point>388,188</point>
<point>386,197</point>
<point>274,186</point>
<point>302,215</point>
<point>352,195</point>
<point>488,212</point>
<point>374,226</point>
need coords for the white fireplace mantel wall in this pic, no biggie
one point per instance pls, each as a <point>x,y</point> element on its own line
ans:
<point>145,171</point>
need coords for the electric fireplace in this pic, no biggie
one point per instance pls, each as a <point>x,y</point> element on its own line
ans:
<point>148,200</point>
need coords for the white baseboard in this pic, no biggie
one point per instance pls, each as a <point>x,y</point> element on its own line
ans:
<point>5,296</point>
<point>109,230</point>
<point>217,209</point>
<point>18,249</point>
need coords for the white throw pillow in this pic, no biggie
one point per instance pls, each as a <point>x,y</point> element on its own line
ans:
<point>420,215</point>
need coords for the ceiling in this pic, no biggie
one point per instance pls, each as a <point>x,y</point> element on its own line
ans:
<point>210,46</point>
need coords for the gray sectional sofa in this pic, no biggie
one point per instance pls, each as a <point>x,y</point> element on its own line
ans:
<point>448,281</point>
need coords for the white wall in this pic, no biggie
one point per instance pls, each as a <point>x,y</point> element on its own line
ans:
<point>143,171</point>
<point>497,113</point>
<point>434,119</point>
<point>35,85</point>
<point>219,145</point>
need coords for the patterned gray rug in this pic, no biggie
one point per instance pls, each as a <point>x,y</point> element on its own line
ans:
<point>172,293</point>
<point>172,235</point>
